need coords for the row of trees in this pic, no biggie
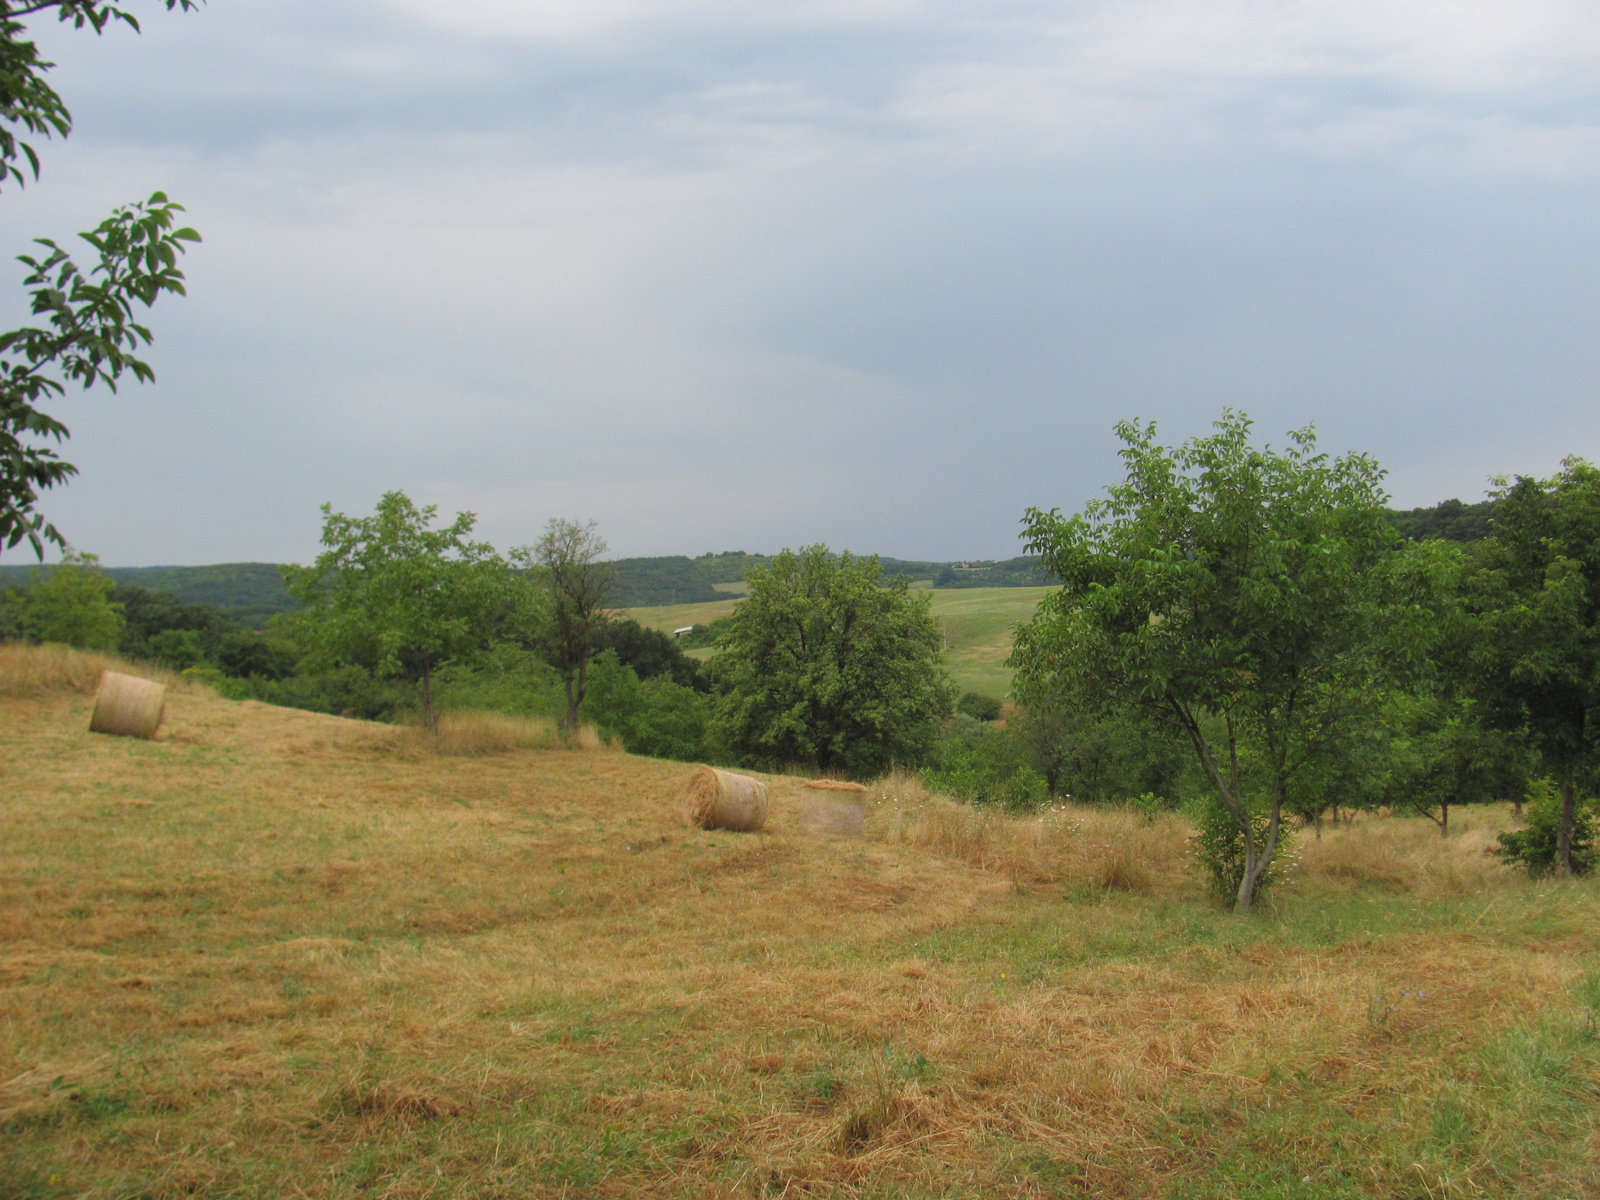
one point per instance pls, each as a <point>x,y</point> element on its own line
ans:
<point>823,664</point>
<point>1258,605</point>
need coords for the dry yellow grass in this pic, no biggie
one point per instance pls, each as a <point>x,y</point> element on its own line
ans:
<point>1064,847</point>
<point>469,734</point>
<point>279,954</point>
<point>37,671</point>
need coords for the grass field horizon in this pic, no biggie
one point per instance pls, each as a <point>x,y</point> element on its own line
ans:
<point>975,624</point>
<point>279,953</point>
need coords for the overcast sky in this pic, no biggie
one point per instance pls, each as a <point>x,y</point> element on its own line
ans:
<point>745,274</point>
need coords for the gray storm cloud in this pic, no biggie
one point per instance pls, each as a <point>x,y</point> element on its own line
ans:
<point>880,274</point>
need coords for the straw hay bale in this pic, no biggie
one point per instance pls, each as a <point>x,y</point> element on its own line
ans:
<point>723,800</point>
<point>128,706</point>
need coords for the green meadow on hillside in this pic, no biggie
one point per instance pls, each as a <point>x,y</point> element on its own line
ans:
<point>976,624</point>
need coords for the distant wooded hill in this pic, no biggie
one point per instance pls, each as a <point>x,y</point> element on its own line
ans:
<point>250,593</point>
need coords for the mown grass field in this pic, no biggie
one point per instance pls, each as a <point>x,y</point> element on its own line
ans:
<point>975,623</point>
<point>280,954</point>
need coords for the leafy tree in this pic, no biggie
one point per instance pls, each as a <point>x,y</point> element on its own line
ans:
<point>71,604</point>
<point>246,654</point>
<point>1534,594</point>
<point>823,665</point>
<point>87,332</point>
<point>395,596</point>
<point>1091,755</point>
<point>1232,593</point>
<point>177,649</point>
<point>150,613</point>
<point>565,564</point>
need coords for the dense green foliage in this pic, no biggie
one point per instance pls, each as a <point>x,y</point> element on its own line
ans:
<point>978,706</point>
<point>395,596</point>
<point>71,604</point>
<point>1538,847</point>
<point>825,666</point>
<point>983,765</point>
<point>250,594</point>
<point>1533,595</point>
<point>1450,520</point>
<point>1236,594</point>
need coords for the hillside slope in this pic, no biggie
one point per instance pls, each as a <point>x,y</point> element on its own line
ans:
<point>275,953</point>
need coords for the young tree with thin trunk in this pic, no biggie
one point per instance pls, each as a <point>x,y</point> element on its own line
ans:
<point>396,596</point>
<point>1233,593</point>
<point>566,564</point>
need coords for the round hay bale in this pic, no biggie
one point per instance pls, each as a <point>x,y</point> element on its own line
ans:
<point>128,706</point>
<point>723,800</point>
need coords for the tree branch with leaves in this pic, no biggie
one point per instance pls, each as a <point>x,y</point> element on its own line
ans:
<point>88,332</point>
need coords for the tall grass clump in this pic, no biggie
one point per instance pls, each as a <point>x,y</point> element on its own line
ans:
<point>32,672</point>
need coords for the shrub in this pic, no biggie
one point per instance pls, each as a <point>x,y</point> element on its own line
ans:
<point>1535,847</point>
<point>978,706</point>
<point>1219,846</point>
<point>982,765</point>
<point>176,649</point>
<point>655,717</point>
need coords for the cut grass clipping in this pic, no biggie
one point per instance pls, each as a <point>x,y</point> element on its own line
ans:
<point>272,953</point>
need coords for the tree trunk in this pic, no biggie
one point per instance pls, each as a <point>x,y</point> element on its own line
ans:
<point>1569,817</point>
<point>1257,858</point>
<point>577,687</point>
<point>1444,817</point>
<point>427,701</point>
<point>570,721</point>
